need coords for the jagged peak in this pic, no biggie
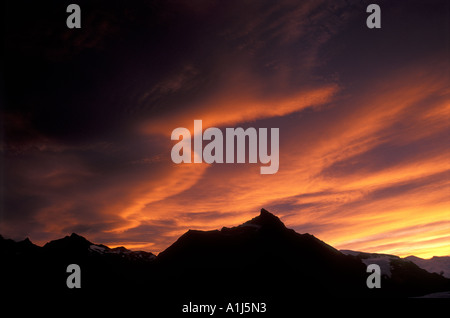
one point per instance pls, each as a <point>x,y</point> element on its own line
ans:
<point>27,242</point>
<point>78,238</point>
<point>73,240</point>
<point>266,219</point>
<point>75,235</point>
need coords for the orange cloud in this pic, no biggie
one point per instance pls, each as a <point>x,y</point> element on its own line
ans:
<point>234,107</point>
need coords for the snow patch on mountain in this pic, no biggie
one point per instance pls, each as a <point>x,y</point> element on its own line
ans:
<point>98,249</point>
<point>436,264</point>
<point>384,262</point>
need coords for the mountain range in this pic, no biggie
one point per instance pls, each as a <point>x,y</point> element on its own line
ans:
<point>259,259</point>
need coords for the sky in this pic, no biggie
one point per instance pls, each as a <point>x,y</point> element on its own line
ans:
<point>363,115</point>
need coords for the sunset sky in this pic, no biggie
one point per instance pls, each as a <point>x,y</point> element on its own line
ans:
<point>364,118</point>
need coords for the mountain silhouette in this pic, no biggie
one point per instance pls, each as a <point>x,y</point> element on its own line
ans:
<point>69,244</point>
<point>261,252</point>
<point>258,259</point>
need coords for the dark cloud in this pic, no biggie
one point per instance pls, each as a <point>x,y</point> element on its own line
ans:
<point>127,62</point>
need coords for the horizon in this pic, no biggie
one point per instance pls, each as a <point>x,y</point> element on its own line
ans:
<point>363,117</point>
<point>158,252</point>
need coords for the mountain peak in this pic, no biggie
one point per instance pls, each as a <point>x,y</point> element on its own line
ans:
<point>72,241</point>
<point>266,219</point>
<point>75,236</point>
<point>267,213</point>
<point>27,241</point>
